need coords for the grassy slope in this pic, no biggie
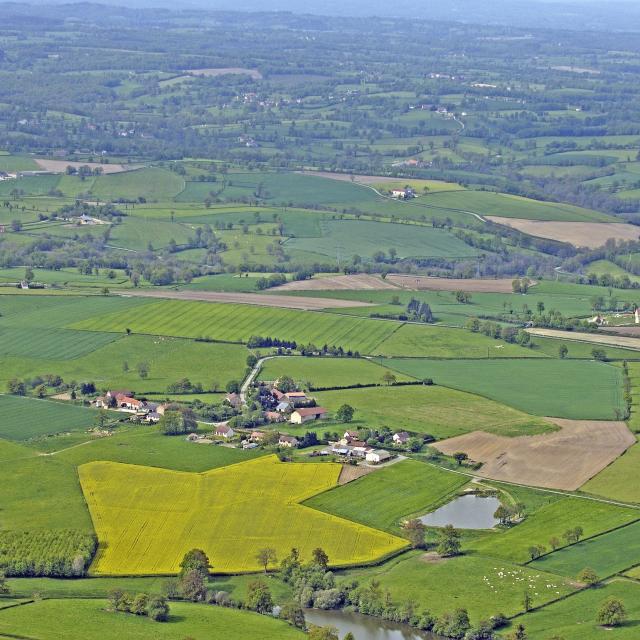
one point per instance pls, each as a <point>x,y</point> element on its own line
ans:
<point>575,617</point>
<point>545,387</point>
<point>553,520</point>
<point>383,498</point>
<point>24,418</point>
<point>439,411</point>
<point>82,619</point>
<point>608,554</point>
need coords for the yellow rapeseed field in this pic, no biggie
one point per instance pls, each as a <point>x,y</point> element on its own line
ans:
<point>147,518</point>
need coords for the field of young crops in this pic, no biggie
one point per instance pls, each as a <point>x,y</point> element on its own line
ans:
<point>540,386</point>
<point>607,554</point>
<point>25,418</point>
<point>552,521</point>
<point>403,489</point>
<point>153,183</point>
<point>236,323</point>
<point>78,619</point>
<point>167,513</point>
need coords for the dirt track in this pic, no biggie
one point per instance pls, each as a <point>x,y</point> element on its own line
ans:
<point>502,285</point>
<point>60,166</point>
<point>565,459</point>
<point>346,177</point>
<point>283,302</point>
<point>579,234</point>
<point>361,282</point>
<point>610,340</point>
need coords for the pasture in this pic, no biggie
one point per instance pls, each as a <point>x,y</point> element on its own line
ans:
<point>401,490</point>
<point>483,586</point>
<point>167,513</point>
<point>25,418</point>
<point>439,411</point>
<point>571,389</point>
<point>617,480</point>
<point>347,238</point>
<point>152,183</point>
<point>553,520</point>
<point>78,619</point>
<point>575,618</point>
<point>606,554</point>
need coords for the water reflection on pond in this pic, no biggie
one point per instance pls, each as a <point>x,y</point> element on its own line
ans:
<point>466,512</point>
<point>365,627</point>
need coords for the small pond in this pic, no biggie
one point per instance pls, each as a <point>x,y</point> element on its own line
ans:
<point>466,512</point>
<point>365,627</point>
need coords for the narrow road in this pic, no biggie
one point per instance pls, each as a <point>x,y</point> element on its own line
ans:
<point>248,381</point>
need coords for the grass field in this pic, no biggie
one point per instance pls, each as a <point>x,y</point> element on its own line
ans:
<point>325,372</point>
<point>403,489</point>
<point>24,418</point>
<point>544,387</point>
<point>553,520</point>
<point>169,360</point>
<point>77,619</point>
<point>232,322</point>
<point>483,586</point>
<point>153,183</point>
<point>617,481</point>
<point>439,411</point>
<point>575,617</point>
<point>169,513</point>
<point>608,554</point>
<point>364,238</point>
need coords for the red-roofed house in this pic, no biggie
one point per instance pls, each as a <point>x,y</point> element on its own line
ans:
<point>224,431</point>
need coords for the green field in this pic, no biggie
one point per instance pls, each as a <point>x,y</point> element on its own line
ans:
<point>206,509</point>
<point>347,238</point>
<point>25,418</point>
<point>553,520</point>
<point>607,554</point>
<point>575,617</point>
<point>439,411</point>
<point>77,619</point>
<point>543,387</point>
<point>325,372</point>
<point>404,489</point>
<point>483,586</point>
<point>238,323</point>
<point>153,183</point>
<point>617,481</point>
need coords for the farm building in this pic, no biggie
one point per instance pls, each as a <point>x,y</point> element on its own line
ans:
<point>288,441</point>
<point>295,398</point>
<point>224,431</point>
<point>300,416</point>
<point>377,456</point>
<point>273,416</point>
<point>233,399</point>
<point>257,436</point>
<point>401,438</point>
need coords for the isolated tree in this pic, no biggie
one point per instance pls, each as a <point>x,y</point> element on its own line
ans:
<point>460,457</point>
<point>612,612</point>
<point>526,600</point>
<point>143,369</point>
<point>345,413</point>
<point>252,360</point>
<point>554,542</point>
<point>195,560</point>
<point>536,551</point>
<point>158,609</point>
<point>599,354</point>
<point>520,633</point>
<point>125,367</point>
<point>503,514</point>
<point>473,324</point>
<point>4,587</point>
<point>193,586</point>
<point>588,576</point>
<point>259,597</point>
<point>233,386</point>
<point>563,351</point>
<point>139,604</point>
<point>415,530</point>
<point>388,378</point>
<point>448,541</point>
<point>266,557</point>
<point>320,558</point>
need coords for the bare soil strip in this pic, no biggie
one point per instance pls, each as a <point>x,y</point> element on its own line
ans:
<point>579,234</point>
<point>360,282</point>
<point>350,473</point>
<point>60,166</point>
<point>500,285</point>
<point>283,302</point>
<point>611,340</point>
<point>565,459</point>
<point>346,177</point>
